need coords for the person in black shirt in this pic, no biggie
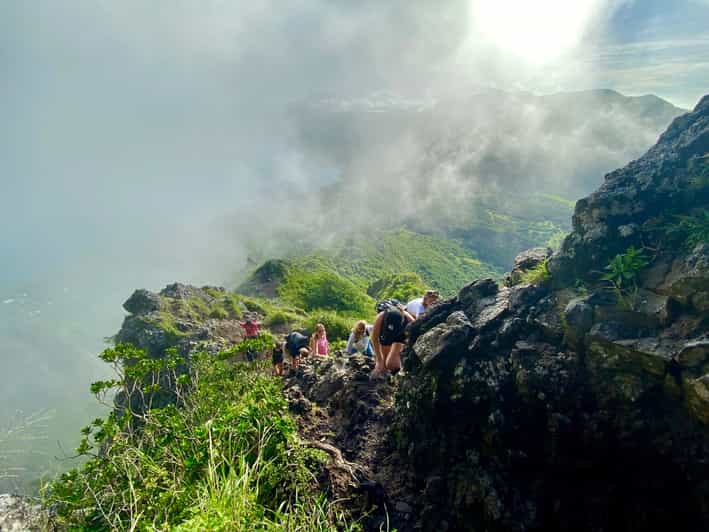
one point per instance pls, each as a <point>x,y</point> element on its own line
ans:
<point>297,347</point>
<point>388,337</point>
<point>277,358</point>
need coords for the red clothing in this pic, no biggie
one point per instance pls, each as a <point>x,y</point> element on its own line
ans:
<point>251,328</point>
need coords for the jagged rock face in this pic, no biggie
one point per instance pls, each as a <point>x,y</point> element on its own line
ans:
<point>657,186</point>
<point>159,321</point>
<point>555,408</point>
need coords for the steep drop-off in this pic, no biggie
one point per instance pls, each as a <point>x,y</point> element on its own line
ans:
<point>575,396</point>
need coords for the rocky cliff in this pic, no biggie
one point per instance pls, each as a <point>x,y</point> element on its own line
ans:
<point>573,397</point>
<point>573,402</point>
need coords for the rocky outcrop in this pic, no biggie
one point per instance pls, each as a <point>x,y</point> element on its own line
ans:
<point>181,316</point>
<point>570,406</point>
<point>636,200</point>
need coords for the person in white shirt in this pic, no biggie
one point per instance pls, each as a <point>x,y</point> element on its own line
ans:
<point>418,306</point>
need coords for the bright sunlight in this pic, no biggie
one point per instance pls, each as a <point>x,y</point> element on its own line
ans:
<point>536,31</point>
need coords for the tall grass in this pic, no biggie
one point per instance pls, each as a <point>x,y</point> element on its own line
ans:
<point>224,456</point>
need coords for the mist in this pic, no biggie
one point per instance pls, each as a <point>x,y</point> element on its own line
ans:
<point>144,143</point>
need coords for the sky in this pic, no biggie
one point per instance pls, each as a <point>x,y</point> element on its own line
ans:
<point>143,142</point>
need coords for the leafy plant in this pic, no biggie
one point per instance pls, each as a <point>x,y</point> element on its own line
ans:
<point>537,275</point>
<point>262,342</point>
<point>623,272</point>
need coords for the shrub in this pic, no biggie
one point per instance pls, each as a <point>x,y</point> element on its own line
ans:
<point>230,303</point>
<point>219,313</point>
<point>337,326</point>
<point>252,305</point>
<point>262,342</point>
<point>323,290</point>
<point>280,317</point>
<point>401,286</point>
<point>537,275</point>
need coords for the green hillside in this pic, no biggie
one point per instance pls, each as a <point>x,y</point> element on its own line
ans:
<point>346,276</point>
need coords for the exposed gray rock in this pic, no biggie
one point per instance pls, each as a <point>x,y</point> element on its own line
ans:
<point>493,437</point>
<point>526,261</point>
<point>579,314</point>
<point>142,302</point>
<point>435,345</point>
<point>688,280</point>
<point>694,353</point>
<point>477,290</point>
<point>183,291</point>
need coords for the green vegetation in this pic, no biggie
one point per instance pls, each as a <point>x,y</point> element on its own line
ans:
<point>699,169</point>
<point>338,327</point>
<point>281,317</point>
<point>556,240</point>
<point>623,271</point>
<point>401,286</point>
<point>537,275</point>
<point>695,229</point>
<point>396,261</point>
<point>226,458</point>
<point>262,342</point>
<point>323,289</point>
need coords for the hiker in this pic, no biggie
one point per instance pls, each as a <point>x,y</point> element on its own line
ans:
<point>358,341</point>
<point>388,338</point>
<point>251,329</point>
<point>277,358</point>
<point>418,306</point>
<point>318,341</point>
<point>297,347</point>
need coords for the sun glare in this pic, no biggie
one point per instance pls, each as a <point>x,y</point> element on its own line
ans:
<point>537,31</point>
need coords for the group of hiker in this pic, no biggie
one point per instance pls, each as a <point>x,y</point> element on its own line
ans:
<point>384,339</point>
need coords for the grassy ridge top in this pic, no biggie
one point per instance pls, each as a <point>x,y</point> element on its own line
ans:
<point>359,261</point>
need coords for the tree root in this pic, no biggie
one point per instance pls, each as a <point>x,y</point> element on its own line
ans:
<point>338,461</point>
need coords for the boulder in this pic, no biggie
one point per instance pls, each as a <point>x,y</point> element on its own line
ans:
<point>439,345</point>
<point>526,261</point>
<point>142,302</point>
<point>579,315</point>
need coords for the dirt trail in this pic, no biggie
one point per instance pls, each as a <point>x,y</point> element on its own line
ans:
<point>344,412</point>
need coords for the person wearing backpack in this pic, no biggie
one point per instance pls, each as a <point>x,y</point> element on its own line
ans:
<point>297,347</point>
<point>388,338</point>
<point>358,341</point>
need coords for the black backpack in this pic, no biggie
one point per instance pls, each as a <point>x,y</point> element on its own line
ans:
<point>386,304</point>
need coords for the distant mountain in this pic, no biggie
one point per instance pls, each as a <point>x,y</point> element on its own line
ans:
<point>496,171</point>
